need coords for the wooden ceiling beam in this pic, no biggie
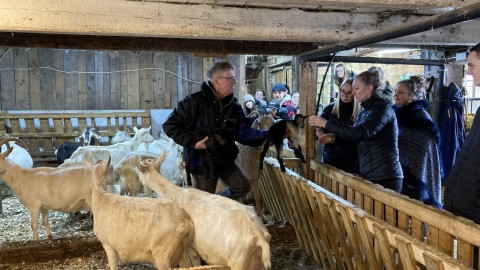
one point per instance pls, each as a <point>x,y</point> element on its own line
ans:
<point>438,5</point>
<point>166,25</point>
<point>200,47</point>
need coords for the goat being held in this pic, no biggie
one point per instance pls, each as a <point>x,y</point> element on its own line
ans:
<point>280,130</point>
<point>215,144</point>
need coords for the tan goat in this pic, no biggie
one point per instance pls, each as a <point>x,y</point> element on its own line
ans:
<point>248,159</point>
<point>139,229</point>
<point>226,232</point>
<point>43,188</point>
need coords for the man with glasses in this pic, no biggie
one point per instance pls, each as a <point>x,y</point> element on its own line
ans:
<point>216,111</point>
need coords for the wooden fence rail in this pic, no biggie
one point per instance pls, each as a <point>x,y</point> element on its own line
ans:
<point>341,235</point>
<point>45,131</point>
<point>453,235</point>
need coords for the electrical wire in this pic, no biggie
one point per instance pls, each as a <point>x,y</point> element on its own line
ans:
<point>101,72</point>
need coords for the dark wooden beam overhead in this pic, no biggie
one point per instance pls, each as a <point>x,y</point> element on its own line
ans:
<point>197,46</point>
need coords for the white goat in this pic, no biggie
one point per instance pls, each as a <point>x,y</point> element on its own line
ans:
<point>121,136</point>
<point>139,229</point>
<point>115,151</point>
<point>226,232</point>
<point>173,167</point>
<point>19,156</point>
<point>128,180</point>
<point>248,159</point>
<point>44,188</point>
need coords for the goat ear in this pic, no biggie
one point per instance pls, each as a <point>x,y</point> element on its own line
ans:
<point>108,161</point>
<point>137,164</point>
<point>135,129</point>
<point>159,161</point>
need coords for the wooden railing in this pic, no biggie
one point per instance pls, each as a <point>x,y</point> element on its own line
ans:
<point>45,131</point>
<point>289,160</point>
<point>341,235</point>
<point>453,235</point>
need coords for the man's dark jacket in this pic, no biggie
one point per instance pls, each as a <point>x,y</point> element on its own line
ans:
<point>203,110</point>
<point>462,192</point>
<point>375,132</point>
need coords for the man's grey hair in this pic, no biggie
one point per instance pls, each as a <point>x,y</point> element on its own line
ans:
<point>219,67</point>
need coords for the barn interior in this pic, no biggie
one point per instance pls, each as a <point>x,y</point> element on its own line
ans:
<point>136,56</point>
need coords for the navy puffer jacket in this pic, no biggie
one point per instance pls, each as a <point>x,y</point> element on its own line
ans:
<point>202,110</point>
<point>375,132</point>
<point>341,154</point>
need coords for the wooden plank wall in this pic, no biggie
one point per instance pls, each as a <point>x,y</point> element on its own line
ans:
<point>57,79</point>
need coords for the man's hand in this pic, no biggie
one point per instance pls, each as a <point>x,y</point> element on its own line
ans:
<point>201,144</point>
<point>326,138</point>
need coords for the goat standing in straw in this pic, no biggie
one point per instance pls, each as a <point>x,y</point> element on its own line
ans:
<point>226,232</point>
<point>248,158</point>
<point>44,188</point>
<point>138,229</point>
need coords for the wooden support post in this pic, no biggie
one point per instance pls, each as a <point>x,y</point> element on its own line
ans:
<point>308,94</point>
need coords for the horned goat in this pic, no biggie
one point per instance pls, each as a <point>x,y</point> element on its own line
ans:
<point>280,130</point>
<point>44,188</point>
<point>248,158</point>
<point>226,232</point>
<point>139,229</point>
<point>66,149</point>
<point>90,137</point>
<point>19,156</point>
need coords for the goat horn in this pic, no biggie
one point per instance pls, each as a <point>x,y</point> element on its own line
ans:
<point>6,140</point>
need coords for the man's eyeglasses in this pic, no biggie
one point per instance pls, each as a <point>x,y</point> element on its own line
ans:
<point>346,93</point>
<point>229,78</point>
